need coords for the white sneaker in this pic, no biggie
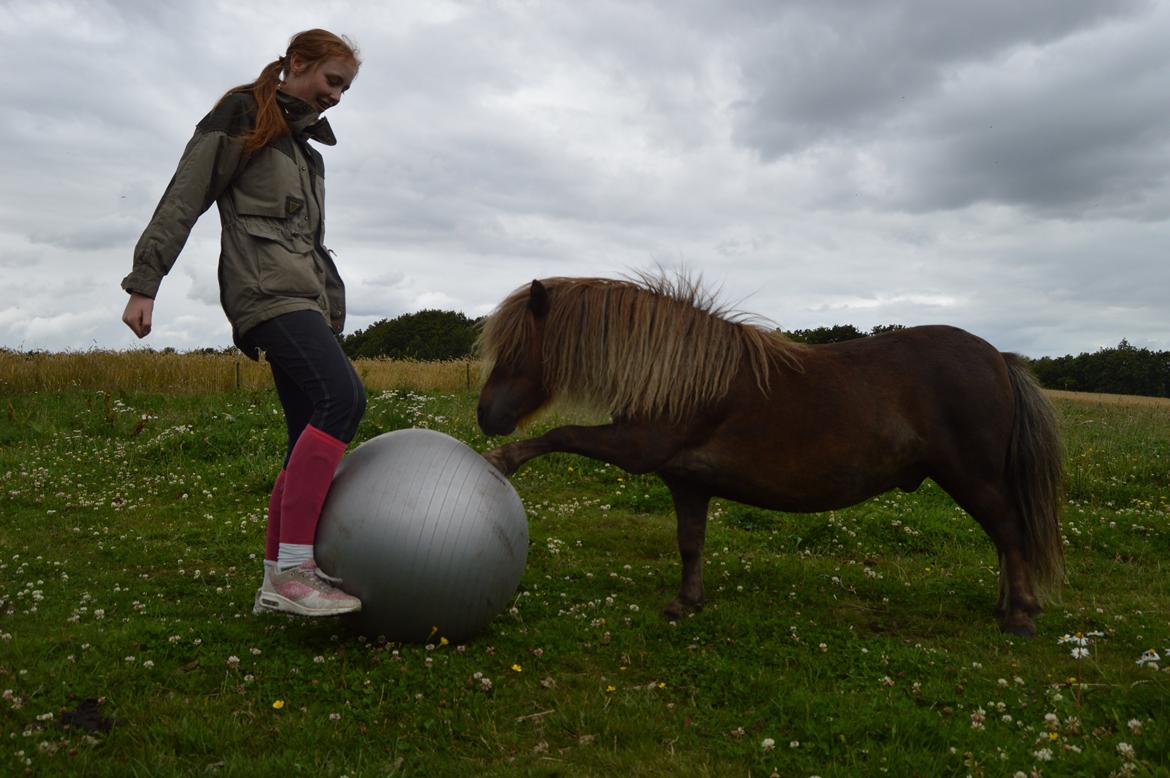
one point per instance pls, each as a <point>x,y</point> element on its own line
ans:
<point>303,590</point>
<point>257,607</point>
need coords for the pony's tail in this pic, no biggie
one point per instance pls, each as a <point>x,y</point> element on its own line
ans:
<point>1036,471</point>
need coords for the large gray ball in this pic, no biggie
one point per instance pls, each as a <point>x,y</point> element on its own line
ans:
<point>426,533</point>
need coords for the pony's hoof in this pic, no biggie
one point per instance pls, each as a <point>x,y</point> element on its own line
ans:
<point>678,608</point>
<point>1022,627</point>
<point>498,461</point>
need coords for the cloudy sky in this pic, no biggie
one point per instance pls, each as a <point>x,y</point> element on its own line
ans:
<point>998,165</point>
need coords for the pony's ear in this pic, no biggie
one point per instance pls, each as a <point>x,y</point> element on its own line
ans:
<point>538,300</point>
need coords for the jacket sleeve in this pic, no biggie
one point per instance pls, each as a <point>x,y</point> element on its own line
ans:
<point>212,159</point>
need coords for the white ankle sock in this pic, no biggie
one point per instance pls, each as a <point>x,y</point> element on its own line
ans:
<point>293,554</point>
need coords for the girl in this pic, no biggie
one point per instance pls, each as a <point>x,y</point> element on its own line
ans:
<point>278,285</point>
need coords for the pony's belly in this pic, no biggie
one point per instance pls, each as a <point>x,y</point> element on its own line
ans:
<point>794,489</point>
<point>800,500</point>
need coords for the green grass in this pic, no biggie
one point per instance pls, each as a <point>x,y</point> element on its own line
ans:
<point>854,642</point>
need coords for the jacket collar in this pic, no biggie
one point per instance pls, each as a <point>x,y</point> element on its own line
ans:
<point>304,119</point>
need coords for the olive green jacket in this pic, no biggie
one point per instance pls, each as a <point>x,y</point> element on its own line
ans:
<point>271,208</point>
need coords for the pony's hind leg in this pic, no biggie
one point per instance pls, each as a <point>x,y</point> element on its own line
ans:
<point>690,507</point>
<point>989,505</point>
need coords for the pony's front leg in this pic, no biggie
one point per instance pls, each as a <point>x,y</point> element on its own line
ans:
<point>633,447</point>
<point>690,506</point>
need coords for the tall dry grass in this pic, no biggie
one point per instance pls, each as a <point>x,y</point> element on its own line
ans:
<point>172,372</point>
<point>1127,400</point>
<point>165,371</point>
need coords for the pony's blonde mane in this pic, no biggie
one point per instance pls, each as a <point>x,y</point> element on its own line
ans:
<point>651,346</point>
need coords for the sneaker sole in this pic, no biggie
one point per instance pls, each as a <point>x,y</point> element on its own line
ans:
<point>257,607</point>
<point>271,601</point>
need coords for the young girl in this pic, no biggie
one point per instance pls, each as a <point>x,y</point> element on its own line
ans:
<point>278,285</point>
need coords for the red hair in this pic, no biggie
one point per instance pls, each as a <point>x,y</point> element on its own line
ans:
<point>312,47</point>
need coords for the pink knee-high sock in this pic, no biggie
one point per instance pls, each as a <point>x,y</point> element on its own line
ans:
<point>272,540</point>
<point>307,480</point>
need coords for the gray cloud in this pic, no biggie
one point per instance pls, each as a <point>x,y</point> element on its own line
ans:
<point>827,71</point>
<point>1000,166</point>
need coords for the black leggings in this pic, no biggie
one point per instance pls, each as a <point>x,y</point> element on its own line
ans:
<point>315,381</point>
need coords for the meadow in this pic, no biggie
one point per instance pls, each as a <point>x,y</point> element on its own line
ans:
<point>854,642</point>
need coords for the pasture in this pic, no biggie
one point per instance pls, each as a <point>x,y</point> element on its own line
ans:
<point>853,642</point>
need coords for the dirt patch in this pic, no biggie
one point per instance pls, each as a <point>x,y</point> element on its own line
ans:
<point>88,718</point>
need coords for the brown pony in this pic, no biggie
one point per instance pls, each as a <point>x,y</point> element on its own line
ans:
<point>720,407</point>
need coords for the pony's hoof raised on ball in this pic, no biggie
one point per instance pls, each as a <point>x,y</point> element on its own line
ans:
<point>498,460</point>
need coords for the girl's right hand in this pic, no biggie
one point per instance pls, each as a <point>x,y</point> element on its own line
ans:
<point>138,314</point>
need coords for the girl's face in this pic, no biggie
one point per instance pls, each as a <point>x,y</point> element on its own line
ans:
<point>320,85</point>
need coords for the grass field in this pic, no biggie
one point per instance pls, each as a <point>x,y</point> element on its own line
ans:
<point>856,642</point>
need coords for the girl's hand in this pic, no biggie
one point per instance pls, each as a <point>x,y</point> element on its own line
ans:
<point>138,314</point>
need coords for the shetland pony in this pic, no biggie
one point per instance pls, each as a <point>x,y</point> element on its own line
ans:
<point>718,406</point>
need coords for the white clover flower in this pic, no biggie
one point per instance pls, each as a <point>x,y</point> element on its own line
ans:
<point>1150,657</point>
<point>768,744</point>
<point>1125,750</point>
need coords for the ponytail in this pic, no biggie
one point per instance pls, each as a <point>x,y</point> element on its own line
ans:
<point>312,47</point>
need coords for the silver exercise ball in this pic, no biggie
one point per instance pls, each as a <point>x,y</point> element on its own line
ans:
<point>426,533</point>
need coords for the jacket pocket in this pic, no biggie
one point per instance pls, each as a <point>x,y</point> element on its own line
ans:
<point>284,257</point>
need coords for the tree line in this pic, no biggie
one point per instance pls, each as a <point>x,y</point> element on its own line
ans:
<point>1125,369</point>
<point>428,335</point>
<point>440,335</point>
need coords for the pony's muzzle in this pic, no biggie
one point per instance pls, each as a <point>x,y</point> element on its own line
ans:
<point>490,423</point>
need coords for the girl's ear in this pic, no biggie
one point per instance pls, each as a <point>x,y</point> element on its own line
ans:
<point>296,65</point>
